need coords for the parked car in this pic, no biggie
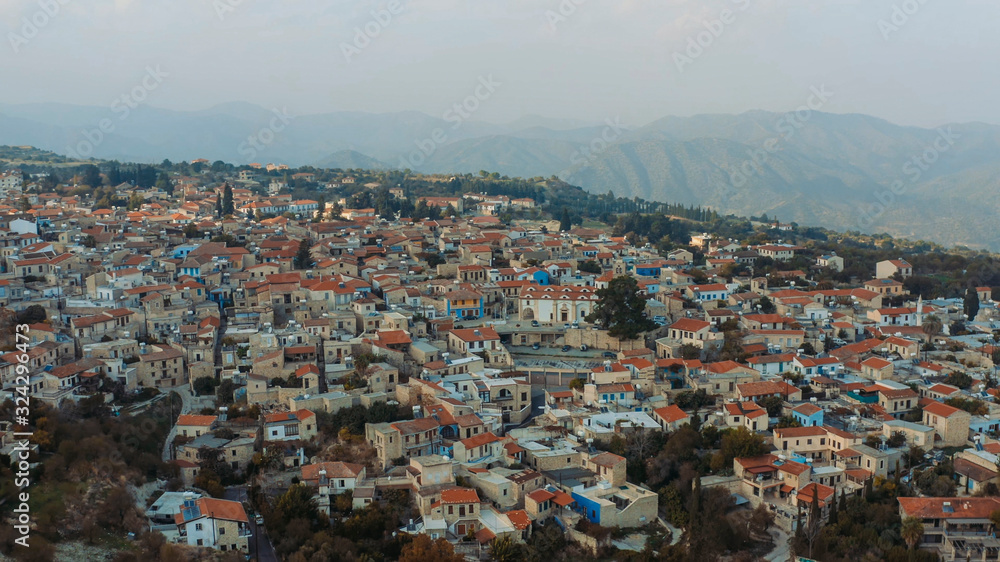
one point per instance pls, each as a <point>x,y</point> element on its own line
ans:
<point>584,347</point>
<point>535,345</point>
<point>534,323</point>
<point>610,355</point>
<point>565,326</point>
<point>565,348</point>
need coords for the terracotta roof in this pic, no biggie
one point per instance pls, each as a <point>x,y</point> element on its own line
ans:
<point>792,432</point>
<point>484,535</point>
<point>606,459</point>
<point>335,469</point>
<point>519,518</point>
<point>459,495</point>
<point>958,508</point>
<point>541,495</point>
<point>562,499</point>
<point>191,419</point>
<point>807,409</point>
<point>690,325</point>
<point>671,413</point>
<point>216,509</point>
<point>289,416</point>
<point>939,409</point>
<point>479,440</point>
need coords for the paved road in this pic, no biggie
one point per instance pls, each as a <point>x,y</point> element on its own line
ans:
<point>781,552</point>
<point>259,540</point>
<point>184,392</point>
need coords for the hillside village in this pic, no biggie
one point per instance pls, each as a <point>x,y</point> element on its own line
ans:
<point>458,368</point>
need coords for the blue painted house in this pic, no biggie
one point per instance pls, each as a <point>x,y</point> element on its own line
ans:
<point>809,415</point>
<point>464,304</point>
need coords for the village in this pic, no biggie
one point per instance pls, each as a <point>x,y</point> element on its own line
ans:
<point>490,386</point>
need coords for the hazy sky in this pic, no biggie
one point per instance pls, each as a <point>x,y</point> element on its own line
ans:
<point>576,59</point>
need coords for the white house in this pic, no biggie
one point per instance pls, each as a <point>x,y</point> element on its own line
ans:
<point>214,523</point>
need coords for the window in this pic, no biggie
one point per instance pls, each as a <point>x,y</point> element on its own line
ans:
<point>222,530</point>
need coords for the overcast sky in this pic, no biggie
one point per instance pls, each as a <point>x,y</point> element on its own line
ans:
<point>575,59</point>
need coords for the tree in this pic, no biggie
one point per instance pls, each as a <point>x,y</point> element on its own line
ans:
<point>336,210</point>
<point>504,549</point>
<point>760,521</point>
<point>773,405</point>
<point>766,305</point>
<point>303,257</point>
<point>34,314</point>
<point>163,183</point>
<point>912,530</point>
<point>897,439</point>
<point>620,309</point>
<point>971,304</point>
<point>423,549</point>
<point>995,519</point>
<point>690,351</point>
<point>320,209</point>
<point>815,524</point>
<point>564,222</point>
<point>25,205</point>
<point>227,200</point>
<point>932,326</point>
<point>590,266</point>
<point>296,503</point>
<point>90,175</point>
<point>737,443</point>
<point>224,393</point>
<point>204,385</point>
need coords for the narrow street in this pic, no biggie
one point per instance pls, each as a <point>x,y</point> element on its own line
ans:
<point>781,552</point>
<point>184,391</point>
<point>261,548</point>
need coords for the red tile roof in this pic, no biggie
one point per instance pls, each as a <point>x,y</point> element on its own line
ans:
<point>459,495</point>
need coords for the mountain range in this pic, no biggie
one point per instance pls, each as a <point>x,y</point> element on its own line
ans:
<point>843,171</point>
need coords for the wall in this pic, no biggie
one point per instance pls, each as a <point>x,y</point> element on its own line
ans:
<point>600,339</point>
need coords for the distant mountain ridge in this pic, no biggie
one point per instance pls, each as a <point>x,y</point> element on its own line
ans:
<point>846,171</point>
